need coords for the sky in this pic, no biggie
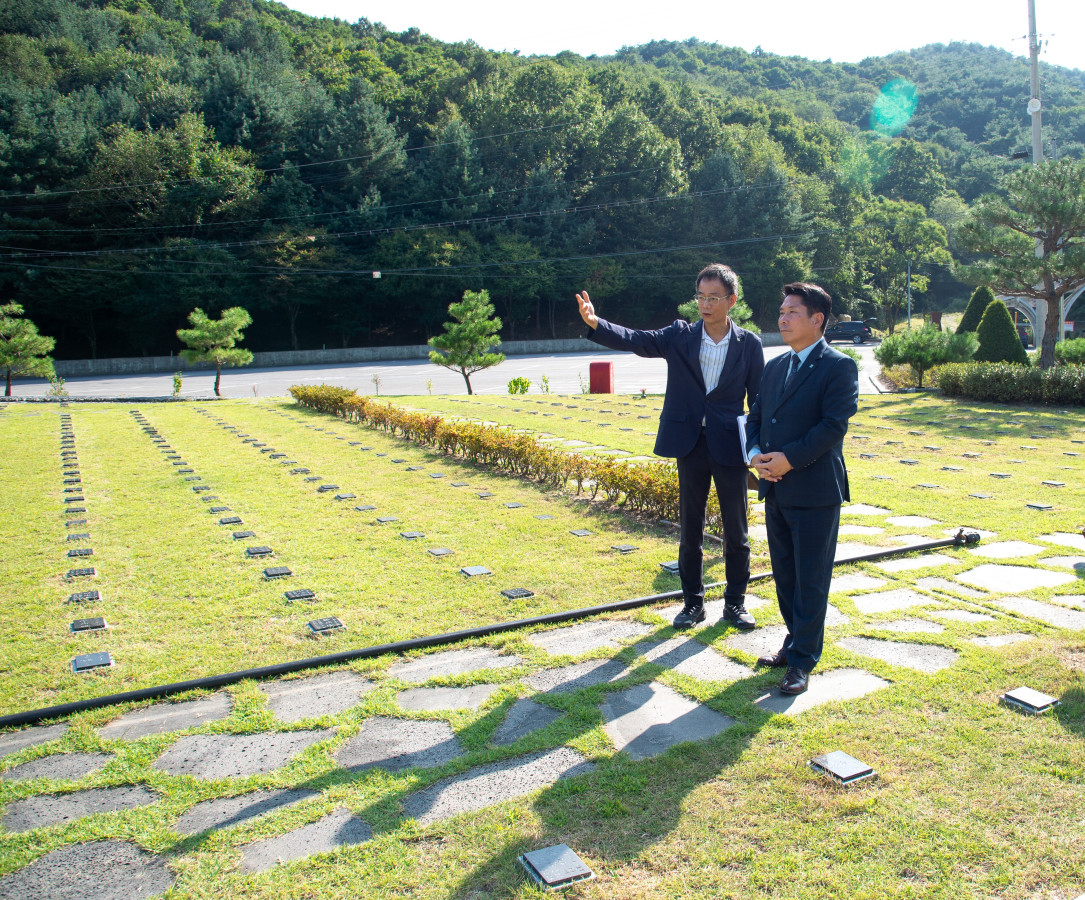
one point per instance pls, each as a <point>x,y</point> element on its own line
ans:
<point>840,30</point>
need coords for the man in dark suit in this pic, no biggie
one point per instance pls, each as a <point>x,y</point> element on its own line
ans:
<point>795,436</point>
<point>713,369</point>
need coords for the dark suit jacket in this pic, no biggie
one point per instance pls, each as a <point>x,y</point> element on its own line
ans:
<point>806,421</point>
<point>685,404</point>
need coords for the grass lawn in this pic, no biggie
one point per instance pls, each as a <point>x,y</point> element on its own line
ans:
<point>972,800</point>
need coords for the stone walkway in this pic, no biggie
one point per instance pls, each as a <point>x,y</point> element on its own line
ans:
<point>621,666</point>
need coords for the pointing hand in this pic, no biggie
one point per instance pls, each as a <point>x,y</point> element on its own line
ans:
<point>587,311</point>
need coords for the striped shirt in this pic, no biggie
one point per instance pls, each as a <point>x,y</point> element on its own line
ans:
<point>713,356</point>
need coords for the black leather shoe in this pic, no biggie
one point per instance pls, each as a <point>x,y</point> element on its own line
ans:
<point>689,616</point>
<point>795,681</point>
<point>777,661</point>
<point>735,614</point>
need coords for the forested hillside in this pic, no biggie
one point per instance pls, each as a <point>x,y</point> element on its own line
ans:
<point>158,155</point>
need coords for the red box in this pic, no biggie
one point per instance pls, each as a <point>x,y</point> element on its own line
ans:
<point>601,377</point>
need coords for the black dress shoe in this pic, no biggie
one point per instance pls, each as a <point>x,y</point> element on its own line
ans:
<point>735,614</point>
<point>795,681</point>
<point>776,661</point>
<point>689,616</point>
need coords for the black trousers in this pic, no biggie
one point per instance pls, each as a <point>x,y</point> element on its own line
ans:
<point>696,473</point>
<point>802,544</point>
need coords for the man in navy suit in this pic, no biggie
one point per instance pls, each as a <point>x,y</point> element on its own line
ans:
<point>713,368</point>
<point>795,436</point>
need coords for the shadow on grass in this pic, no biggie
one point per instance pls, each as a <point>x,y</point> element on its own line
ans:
<point>1070,712</point>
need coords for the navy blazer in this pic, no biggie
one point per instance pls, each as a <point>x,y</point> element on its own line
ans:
<point>806,420</point>
<point>686,405</point>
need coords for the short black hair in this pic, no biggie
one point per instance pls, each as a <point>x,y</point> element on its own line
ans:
<point>719,272</point>
<point>816,299</point>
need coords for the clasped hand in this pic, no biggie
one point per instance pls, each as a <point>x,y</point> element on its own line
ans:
<point>771,466</point>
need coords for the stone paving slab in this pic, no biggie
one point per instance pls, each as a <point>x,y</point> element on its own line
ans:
<point>863,509</point>
<point>759,642</point>
<point>962,615</point>
<point>927,561</point>
<point>924,657</point>
<point>856,581</point>
<point>834,617</point>
<point>398,744</point>
<point>524,717</point>
<point>1077,563</point>
<point>914,626</point>
<point>647,719</point>
<point>494,783</point>
<point>451,662</point>
<point>293,699</point>
<point>435,698</point>
<point>166,717</point>
<point>101,870</point>
<point>1077,601</point>
<point>858,529</point>
<point>689,657</point>
<point>14,741</point>
<point>44,810</point>
<point>890,601</point>
<point>573,640</point>
<point>912,521</point>
<point>995,577</point>
<point>579,675</point>
<point>944,584</point>
<point>227,812</point>
<point>63,766</point>
<point>1065,539</point>
<point>1006,550</point>
<point>1059,616</point>
<point>852,550</point>
<point>1001,640</point>
<point>340,828</point>
<point>213,756</point>
<point>838,684</point>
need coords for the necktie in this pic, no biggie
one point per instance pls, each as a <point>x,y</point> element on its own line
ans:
<point>795,362</point>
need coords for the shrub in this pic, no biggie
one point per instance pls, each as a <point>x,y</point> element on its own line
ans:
<point>923,348</point>
<point>1010,383</point>
<point>1071,353</point>
<point>981,298</point>
<point>519,385</point>
<point>854,354</point>
<point>999,341</point>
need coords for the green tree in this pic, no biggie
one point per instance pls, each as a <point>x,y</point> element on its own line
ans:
<point>892,234</point>
<point>740,314</point>
<point>1033,240</point>
<point>211,340</point>
<point>981,298</point>
<point>926,347</point>
<point>467,340</point>
<point>998,337</point>
<point>22,350</point>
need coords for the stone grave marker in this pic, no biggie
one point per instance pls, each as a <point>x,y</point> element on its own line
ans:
<point>80,626</point>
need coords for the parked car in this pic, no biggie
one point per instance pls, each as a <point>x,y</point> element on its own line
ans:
<point>856,332</point>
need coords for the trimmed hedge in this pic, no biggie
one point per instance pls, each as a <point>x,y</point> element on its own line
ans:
<point>650,490</point>
<point>1012,383</point>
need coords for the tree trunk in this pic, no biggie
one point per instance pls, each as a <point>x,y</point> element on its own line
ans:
<point>218,378</point>
<point>292,311</point>
<point>467,378</point>
<point>7,391</point>
<point>1051,325</point>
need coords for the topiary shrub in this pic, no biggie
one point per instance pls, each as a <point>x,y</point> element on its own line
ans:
<point>1071,353</point>
<point>998,337</point>
<point>981,298</point>
<point>923,348</point>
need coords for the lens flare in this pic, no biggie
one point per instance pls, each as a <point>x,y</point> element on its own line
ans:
<point>894,108</point>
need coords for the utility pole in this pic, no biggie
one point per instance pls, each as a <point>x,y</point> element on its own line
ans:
<point>1034,108</point>
<point>909,294</point>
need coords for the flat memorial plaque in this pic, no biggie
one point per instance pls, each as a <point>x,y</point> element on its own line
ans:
<point>78,498</point>
<point>1001,475</point>
<point>75,523</point>
<point>90,661</point>
<point>81,625</point>
<point>80,551</point>
<point>472,571</point>
<point>624,548</point>
<point>326,488</point>
<point>555,868</point>
<point>185,471</point>
<point>514,506</point>
<point>1039,506</point>
<point>200,488</point>
<point>458,483</point>
<point>277,456</point>
<point>85,536</point>
<point>365,507</point>
<point>580,532</point>
<point>483,495</point>
<point>841,767</point>
<point>277,572</point>
<point>981,496</point>
<point>1054,483</point>
<point>300,594</point>
<point>411,535</point>
<point>84,597</point>
<point>517,593</point>
<point>415,468</point>
<point>242,535</point>
<point>326,625</point>
<point>214,510</point>
<point>258,551</point>
<point>546,517</point>
<point>909,462</point>
<point>81,573</point>
<point>439,551</point>
<point>399,460</point>
<point>436,474</point>
<point>209,498</point>
<point>301,471</point>
<point>230,520</point>
<point>311,478</point>
<point>385,520</point>
<point>670,566</point>
<point>1030,701</point>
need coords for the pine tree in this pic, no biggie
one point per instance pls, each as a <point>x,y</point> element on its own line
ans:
<point>22,350</point>
<point>215,341</point>
<point>999,341</point>
<point>466,342</point>
<point>981,298</point>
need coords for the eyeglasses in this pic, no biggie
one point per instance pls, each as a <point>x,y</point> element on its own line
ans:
<point>708,300</point>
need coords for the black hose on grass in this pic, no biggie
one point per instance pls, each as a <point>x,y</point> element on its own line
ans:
<point>31,717</point>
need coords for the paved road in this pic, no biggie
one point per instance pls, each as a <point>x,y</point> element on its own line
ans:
<point>565,371</point>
